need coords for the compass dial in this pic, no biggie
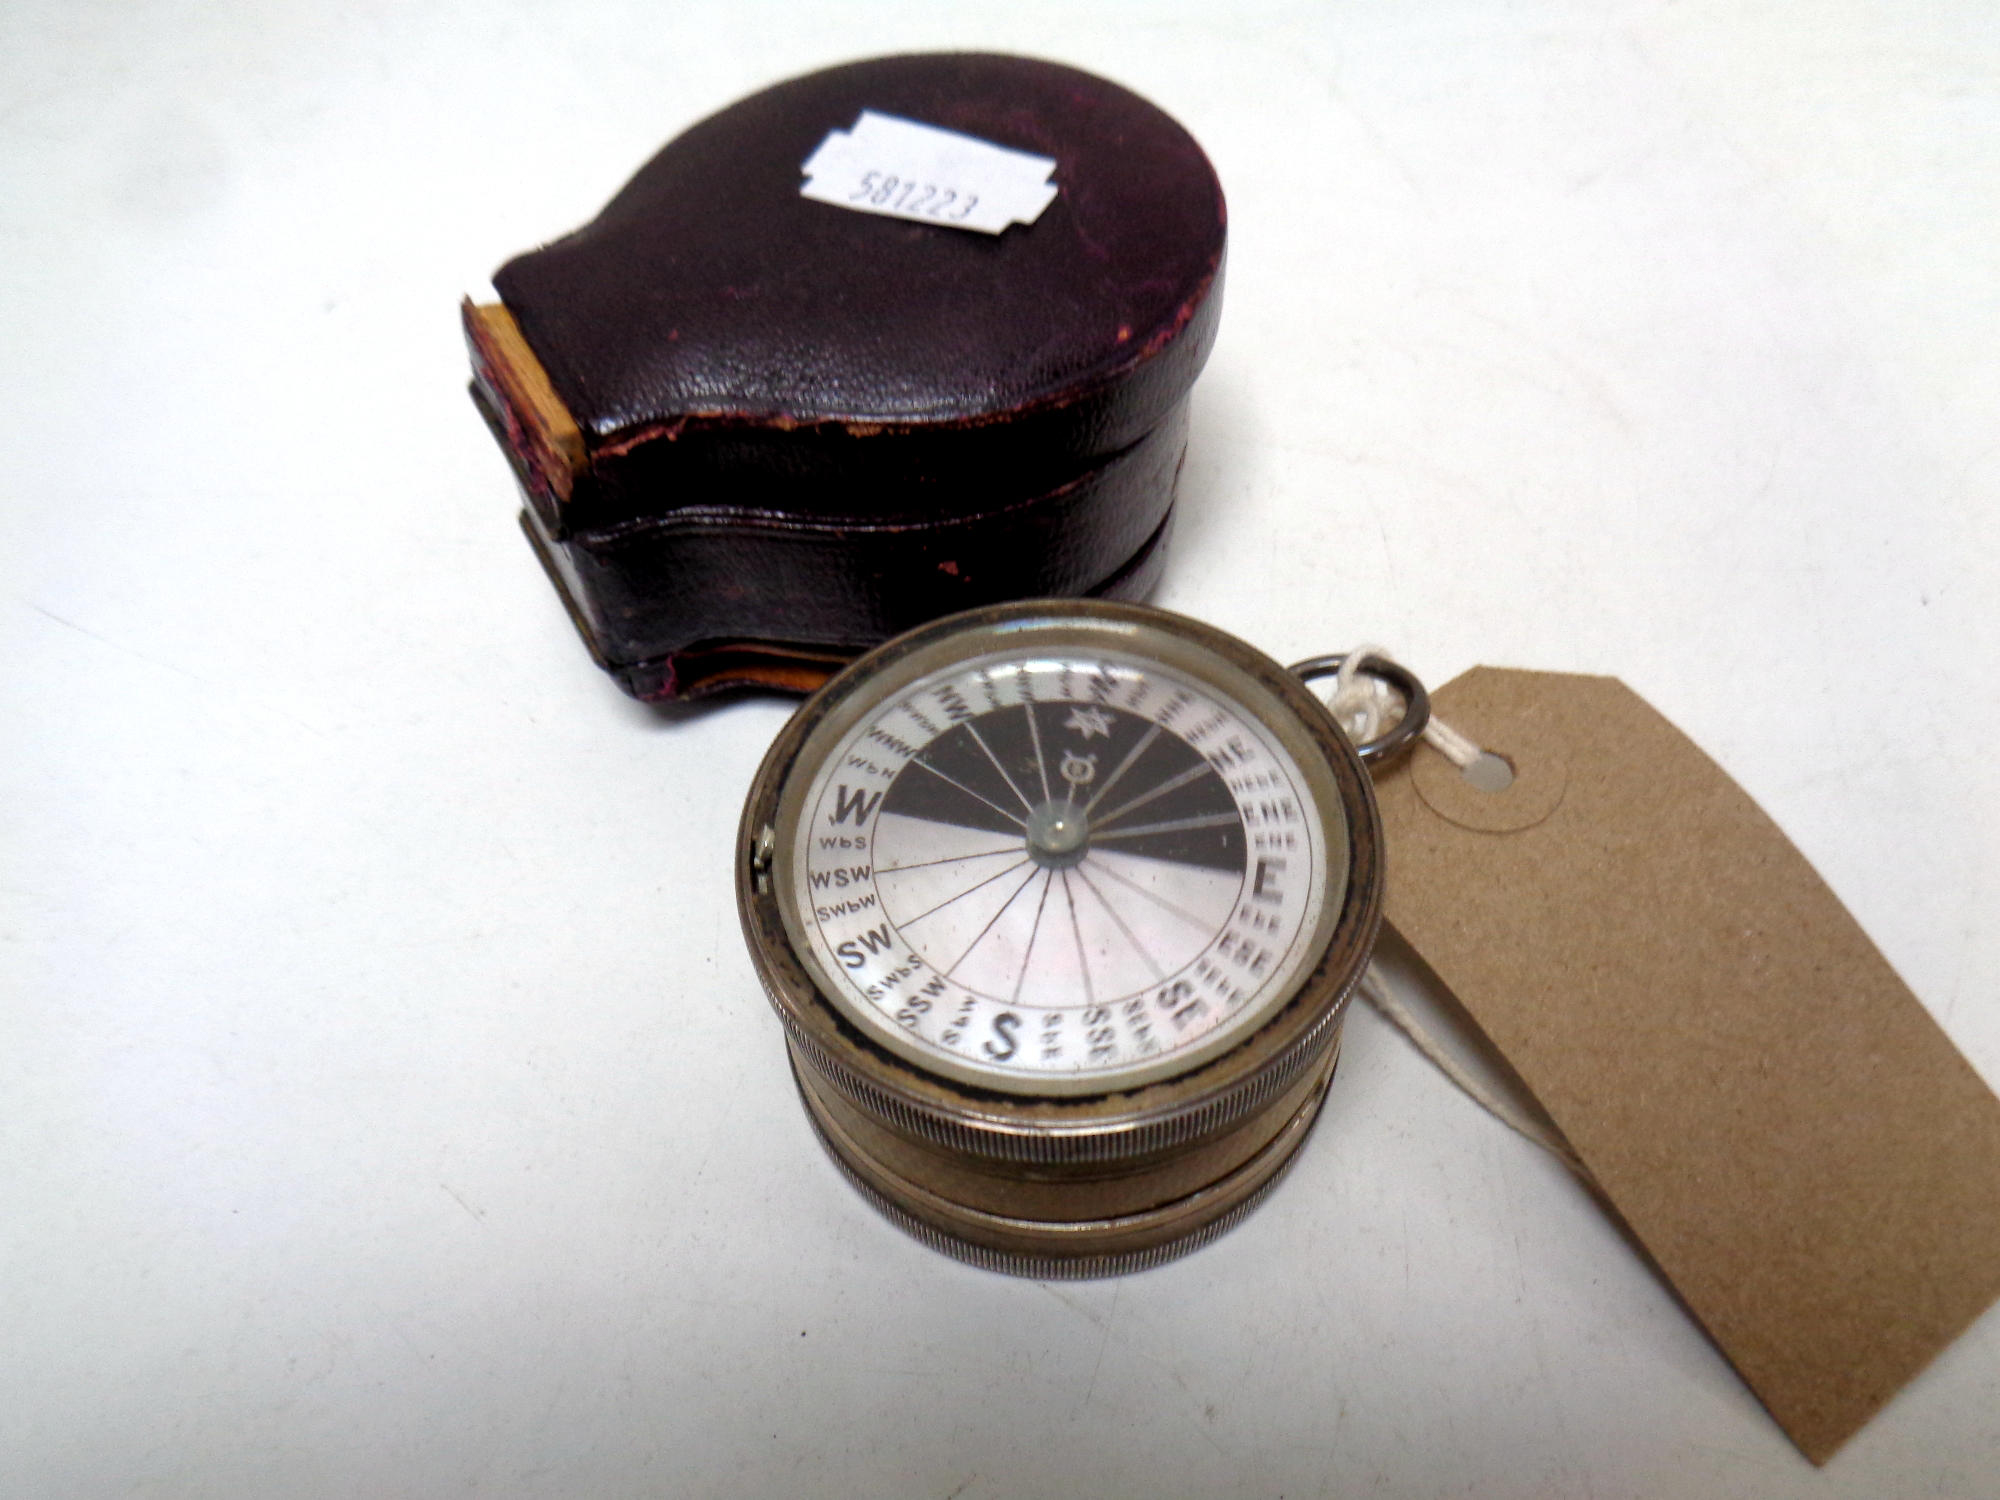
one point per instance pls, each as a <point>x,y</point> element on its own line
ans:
<point>1060,904</point>
<point>1060,872</point>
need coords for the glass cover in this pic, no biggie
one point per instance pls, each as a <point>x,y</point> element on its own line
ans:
<point>1061,871</point>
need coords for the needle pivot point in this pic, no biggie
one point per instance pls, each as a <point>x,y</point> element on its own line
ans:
<point>1058,835</point>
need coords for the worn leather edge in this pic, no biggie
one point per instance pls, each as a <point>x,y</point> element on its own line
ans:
<point>939,475</point>
<point>514,393</point>
<point>651,591</point>
<point>892,470</point>
<point>710,668</point>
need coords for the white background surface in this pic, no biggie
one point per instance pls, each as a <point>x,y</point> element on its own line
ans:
<point>387,1106</point>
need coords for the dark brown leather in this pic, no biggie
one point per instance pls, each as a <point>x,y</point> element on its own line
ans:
<point>647,594</point>
<point>798,420</point>
<point>713,328</point>
<point>705,669</point>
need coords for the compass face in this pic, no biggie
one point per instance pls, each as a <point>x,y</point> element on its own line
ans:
<point>1054,870</point>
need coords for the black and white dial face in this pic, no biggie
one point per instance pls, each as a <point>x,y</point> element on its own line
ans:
<point>1054,872</point>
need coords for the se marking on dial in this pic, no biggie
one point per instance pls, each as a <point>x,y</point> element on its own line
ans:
<point>1059,872</point>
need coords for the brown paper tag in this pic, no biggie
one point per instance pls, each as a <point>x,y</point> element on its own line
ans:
<point>1781,1124</point>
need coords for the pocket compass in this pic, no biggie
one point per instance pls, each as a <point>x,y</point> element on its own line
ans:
<point>1060,904</point>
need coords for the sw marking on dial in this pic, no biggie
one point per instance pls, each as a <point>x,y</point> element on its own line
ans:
<point>1059,872</point>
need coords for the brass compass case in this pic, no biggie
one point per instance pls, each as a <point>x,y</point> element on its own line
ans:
<point>1060,904</point>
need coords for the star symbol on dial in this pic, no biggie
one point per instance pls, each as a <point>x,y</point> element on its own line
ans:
<point>1088,722</point>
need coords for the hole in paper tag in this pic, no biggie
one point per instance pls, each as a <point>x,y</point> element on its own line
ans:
<point>1540,777</point>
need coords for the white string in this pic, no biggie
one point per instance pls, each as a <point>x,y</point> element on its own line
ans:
<point>1397,1014</point>
<point>1449,743</point>
<point>1361,703</point>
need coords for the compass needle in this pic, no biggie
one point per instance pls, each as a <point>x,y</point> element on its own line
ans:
<point>1063,1002</point>
<point>1041,765</point>
<point>1082,955</point>
<point>1171,784</point>
<point>1112,912</point>
<point>1028,952</point>
<point>1152,733</point>
<point>941,776</point>
<point>1176,825</point>
<point>953,966</point>
<point>969,890</point>
<point>1205,924</point>
<point>949,859</point>
<point>980,740</point>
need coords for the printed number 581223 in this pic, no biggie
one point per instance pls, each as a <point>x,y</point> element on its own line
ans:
<point>907,195</point>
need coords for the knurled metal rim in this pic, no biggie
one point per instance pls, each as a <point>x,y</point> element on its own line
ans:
<point>1286,1146</point>
<point>1163,1133</point>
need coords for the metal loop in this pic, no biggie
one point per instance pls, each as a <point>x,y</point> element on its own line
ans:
<point>1416,701</point>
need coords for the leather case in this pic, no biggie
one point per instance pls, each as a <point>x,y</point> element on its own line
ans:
<point>758,433</point>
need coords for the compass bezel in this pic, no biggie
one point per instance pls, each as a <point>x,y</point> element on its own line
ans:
<point>1103,1122</point>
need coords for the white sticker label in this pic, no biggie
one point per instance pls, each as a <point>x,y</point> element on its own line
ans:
<point>886,165</point>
